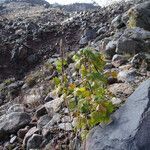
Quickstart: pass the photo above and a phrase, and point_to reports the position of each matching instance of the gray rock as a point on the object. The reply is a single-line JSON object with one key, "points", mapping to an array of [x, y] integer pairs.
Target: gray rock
{"points": [[130, 128], [56, 118], [117, 22], [65, 126], [133, 41], [110, 49], [43, 121], [54, 104], [16, 108], [116, 101], [127, 75], [34, 142], [50, 125], [11, 123], [102, 30], [87, 36], [123, 89]]}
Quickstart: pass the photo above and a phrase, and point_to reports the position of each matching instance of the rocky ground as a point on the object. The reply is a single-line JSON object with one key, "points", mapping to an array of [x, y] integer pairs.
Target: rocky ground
{"points": [[32, 116]]}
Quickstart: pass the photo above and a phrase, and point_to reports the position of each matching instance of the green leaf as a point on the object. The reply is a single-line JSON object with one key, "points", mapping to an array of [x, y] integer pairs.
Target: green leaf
{"points": [[96, 118], [76, 57], [56, 80], [59, 64], [72, 104]]}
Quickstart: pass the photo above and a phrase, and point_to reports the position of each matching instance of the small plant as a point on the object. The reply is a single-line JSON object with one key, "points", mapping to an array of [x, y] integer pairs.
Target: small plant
{"points": [[85, 90], [31, 81], [8, 81]]}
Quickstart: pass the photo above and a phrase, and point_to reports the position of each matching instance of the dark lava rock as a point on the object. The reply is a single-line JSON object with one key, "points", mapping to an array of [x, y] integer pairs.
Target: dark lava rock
{"points": [[11, 123], [130, 128], [34, 142], [41, 112], [2, 98]]}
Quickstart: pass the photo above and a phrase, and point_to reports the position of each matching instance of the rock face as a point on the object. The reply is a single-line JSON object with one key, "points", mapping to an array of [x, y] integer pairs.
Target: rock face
{"points": [[130, 127]]}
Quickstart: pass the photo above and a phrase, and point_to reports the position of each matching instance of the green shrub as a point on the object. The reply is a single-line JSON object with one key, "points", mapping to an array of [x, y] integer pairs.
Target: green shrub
{"points": [[85, 91]]}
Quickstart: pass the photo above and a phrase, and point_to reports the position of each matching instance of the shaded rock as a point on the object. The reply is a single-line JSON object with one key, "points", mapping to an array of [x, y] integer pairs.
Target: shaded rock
{"points": [[14, 88], [11, 123], [22, 132], [48, 98], [34, 142], [41, 112], [2, 98], [112, 80], [29, 134], [32, 59], [46, 131], [117, 22], [130, 126]]}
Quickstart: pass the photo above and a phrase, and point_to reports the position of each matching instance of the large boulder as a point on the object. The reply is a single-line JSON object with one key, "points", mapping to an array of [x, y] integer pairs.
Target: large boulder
{"points": [[12, 122], [133, 41], [139, 16], [129, 129]]}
